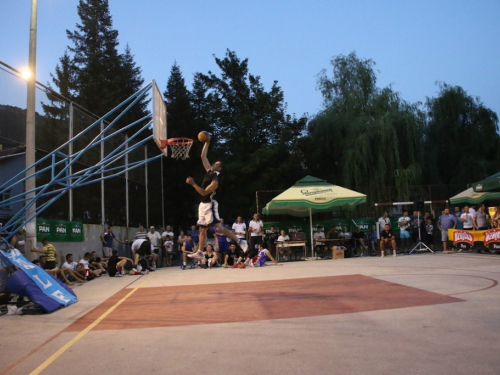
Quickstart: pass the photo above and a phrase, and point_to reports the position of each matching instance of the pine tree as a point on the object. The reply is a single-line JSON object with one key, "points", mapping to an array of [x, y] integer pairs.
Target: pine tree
{"points": [[96, 58]]}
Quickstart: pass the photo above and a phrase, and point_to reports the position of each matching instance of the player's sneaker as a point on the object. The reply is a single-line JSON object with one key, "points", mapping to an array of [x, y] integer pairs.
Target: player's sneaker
{"points": [[244, 245], [242, 265], [118, 274], [234, 265]]}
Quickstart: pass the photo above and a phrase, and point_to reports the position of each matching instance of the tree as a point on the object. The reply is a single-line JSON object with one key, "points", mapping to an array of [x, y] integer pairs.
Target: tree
{"points": [[253, 135], [462, 143], [96, 58], [366, 138]]}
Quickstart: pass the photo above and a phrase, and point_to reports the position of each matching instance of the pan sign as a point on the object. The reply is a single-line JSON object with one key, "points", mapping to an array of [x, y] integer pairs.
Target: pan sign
{"points": [[59, 230]]}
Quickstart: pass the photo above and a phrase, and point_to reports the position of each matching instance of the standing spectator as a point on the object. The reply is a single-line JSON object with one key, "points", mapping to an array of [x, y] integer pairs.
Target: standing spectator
{"points": [[446, 221], [495, 220], [374, 240], [222, 241], [164, 254], [429, 233], [480, 219], [50, 254], [404, 226], [107, 242], [384, 219], [458, 214], [240, 228], [467, 219], [155, 240], [168, 245], [255, 228], [195, 234], [141, 234]]}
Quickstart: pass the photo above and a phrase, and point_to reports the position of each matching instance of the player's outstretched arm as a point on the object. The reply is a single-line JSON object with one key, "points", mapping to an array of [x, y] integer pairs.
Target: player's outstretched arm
{"points": [[268, 253], [204, 159]]}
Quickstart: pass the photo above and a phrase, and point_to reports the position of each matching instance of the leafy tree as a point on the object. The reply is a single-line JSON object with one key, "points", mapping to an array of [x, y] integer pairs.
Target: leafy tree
{"points": [[253, 136], [462, 143], [366, 138]]}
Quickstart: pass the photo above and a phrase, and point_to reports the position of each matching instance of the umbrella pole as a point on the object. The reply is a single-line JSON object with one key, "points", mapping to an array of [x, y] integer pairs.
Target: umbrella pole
{"points": [[311, 231]]}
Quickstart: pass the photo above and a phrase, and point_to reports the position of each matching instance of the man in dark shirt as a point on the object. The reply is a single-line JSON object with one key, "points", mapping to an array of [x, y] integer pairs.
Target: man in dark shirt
{"points": [[387, 239], [208, 211], [234, 257]]}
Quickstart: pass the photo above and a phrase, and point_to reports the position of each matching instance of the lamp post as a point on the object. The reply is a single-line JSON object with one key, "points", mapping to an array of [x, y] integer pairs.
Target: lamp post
{"points": [[30, 130]]}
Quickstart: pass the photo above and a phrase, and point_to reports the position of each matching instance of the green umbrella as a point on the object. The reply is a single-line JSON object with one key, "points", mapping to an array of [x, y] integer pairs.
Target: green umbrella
{"points": [[310, 195], [470, 196], [491, 183]]}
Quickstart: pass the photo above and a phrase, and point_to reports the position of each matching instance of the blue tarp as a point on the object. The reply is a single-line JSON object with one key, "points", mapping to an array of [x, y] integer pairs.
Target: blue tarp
{"points": [[35, 283]]}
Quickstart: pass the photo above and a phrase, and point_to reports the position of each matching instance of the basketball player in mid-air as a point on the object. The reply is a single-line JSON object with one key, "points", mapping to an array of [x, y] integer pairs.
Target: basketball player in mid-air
{"points": [[208, 211]]}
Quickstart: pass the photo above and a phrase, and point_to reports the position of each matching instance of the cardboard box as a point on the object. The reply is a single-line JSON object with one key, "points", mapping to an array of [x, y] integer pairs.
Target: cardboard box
{"points": [[338, 254]]}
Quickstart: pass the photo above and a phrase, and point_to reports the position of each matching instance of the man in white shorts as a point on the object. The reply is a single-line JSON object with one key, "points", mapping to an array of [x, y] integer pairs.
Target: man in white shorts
{"points": [[208, 211], [404, 227]]}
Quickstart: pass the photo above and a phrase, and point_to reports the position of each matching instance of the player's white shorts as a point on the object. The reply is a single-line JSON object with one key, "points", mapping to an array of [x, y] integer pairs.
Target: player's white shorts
{"points": [[208, 214]]}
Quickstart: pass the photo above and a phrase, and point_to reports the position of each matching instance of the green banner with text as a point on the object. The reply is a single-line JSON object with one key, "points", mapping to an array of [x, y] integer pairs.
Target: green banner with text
{"points": [[59, 230]]}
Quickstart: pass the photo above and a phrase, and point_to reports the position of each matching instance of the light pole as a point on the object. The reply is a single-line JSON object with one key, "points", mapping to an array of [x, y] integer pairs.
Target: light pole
{"points": [[30, 131]]}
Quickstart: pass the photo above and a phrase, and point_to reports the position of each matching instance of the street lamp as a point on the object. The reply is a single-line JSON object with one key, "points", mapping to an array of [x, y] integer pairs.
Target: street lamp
{"points": [[30, 130]]}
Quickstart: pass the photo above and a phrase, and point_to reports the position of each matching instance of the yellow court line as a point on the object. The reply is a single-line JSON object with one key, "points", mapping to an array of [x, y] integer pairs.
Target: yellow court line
{"points": [[68, 345]]}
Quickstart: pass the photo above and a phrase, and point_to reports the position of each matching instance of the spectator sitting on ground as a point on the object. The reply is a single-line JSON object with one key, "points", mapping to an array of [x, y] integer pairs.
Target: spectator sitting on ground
{"points": [[285, 252], [210, 257], [234, 257], [89, 269], [118, 265], [188, 247], [55, 272], [387, 239], [97, 262], [260, 259], [69, 267]]}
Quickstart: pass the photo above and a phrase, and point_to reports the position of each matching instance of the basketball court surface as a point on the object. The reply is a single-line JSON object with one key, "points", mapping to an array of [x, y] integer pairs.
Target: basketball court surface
{"points": [[419, 314]]}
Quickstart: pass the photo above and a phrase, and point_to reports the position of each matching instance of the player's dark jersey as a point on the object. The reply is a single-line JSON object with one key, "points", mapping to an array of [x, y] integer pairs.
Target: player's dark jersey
{"points": [[207, 180]]}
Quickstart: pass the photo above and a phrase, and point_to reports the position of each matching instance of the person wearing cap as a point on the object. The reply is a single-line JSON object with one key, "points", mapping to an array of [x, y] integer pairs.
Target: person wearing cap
{"points": [[155, 239], [107, 242]]}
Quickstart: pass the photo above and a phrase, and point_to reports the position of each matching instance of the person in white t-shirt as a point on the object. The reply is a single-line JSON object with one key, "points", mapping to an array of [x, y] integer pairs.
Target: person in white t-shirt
{"points": [[404, 228], [255, 228], [168, 245], [240, 228], [155, 239], [69, 267], [285, 252], [319, 245], [384, 219], [467, 219]]}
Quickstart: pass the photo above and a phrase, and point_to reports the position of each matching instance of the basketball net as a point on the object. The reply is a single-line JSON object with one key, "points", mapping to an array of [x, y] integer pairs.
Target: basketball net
{"points": [[179, 147]]}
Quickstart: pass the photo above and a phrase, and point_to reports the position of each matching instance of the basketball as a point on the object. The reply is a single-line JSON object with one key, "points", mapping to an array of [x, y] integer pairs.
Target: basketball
{"points": [[203, 136]]}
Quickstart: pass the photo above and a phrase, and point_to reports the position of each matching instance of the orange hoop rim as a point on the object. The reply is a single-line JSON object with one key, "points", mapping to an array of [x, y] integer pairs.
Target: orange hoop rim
{"points": [[179, 141]]}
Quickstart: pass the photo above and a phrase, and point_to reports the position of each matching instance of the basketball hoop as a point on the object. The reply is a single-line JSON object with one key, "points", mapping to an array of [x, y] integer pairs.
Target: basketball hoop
{"points": [[180, 147]]}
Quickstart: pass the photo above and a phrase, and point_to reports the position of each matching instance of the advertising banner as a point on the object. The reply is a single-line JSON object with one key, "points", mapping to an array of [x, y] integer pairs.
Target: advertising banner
{"points": [[59, 230], [464, 239]]}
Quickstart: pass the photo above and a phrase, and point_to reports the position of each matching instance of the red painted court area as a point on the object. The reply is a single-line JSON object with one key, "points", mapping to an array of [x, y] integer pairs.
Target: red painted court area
{"points": [[251, 301]]}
